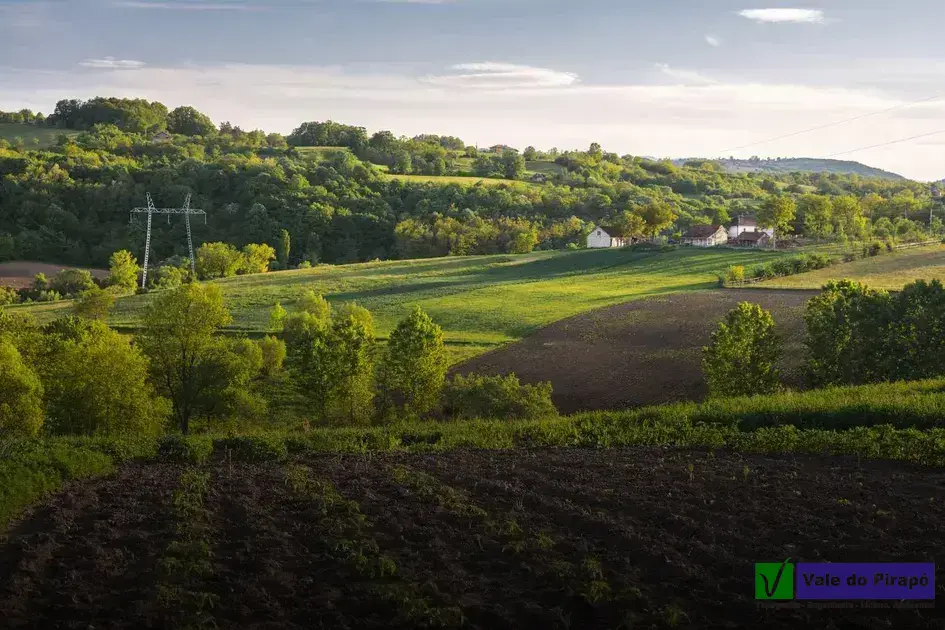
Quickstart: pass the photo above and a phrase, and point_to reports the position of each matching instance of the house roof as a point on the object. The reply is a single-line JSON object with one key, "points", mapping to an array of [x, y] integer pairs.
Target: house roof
{"points": [[746, 219], [751, 236], [615, 231], [702, 231]]}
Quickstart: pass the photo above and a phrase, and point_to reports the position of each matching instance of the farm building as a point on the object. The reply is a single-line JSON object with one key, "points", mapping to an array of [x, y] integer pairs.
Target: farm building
{"points": [[705, 236], [746, 223], [752, 239], [604, 236]]}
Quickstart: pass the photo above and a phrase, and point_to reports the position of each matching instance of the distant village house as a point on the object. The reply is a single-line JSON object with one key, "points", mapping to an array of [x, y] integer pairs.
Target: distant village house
{"points": [[746, 223], [752, 239], [161, 136], [705, 236], [605, 236]]}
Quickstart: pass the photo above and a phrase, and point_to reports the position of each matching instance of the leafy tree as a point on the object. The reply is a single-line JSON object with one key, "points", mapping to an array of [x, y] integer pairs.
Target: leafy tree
{"points": [[513, 165], [916, 339], [311, 302], [658, 215], [741, 359], [817, 212], [21, 394], [256, 258], [94, 303], [71, 282], [178, 337], [8, 296], [530, 153], [352, 340], [277, 316], [97, 384], [189, 122], [222, 382], [273, 355], [217, 260], [480, 397], [847, 324], [40, 283], [310, 359], [285, 246], [123, 270], [848, 216], [777, 212], [414, 369]]}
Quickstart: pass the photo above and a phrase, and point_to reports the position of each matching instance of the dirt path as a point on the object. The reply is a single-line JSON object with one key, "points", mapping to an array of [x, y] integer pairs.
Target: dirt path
{"points": [[640, 353]]}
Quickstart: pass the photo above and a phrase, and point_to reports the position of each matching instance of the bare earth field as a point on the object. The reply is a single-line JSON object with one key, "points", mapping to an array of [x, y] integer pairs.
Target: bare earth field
{"points": [[563, 538], [19, 274], [640, 353]]}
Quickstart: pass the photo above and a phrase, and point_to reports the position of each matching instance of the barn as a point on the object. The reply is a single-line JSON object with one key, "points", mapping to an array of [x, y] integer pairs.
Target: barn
{"points": [[705, 236]]}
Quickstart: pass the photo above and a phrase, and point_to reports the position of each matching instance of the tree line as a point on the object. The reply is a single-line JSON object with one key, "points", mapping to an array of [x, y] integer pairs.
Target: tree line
{"points": [[77, 376], [855, 335]]}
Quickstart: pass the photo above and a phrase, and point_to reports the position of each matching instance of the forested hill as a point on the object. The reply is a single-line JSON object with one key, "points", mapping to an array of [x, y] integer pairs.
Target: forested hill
{"points": [[359, 197], [813, 165]]}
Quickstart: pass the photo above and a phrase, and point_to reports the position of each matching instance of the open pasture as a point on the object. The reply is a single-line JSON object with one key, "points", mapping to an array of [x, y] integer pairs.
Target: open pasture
{"points": [[562, 538]]}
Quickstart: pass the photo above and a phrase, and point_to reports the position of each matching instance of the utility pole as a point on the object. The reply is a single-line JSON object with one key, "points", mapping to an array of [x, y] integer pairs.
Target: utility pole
{"points": [[186, 210]]}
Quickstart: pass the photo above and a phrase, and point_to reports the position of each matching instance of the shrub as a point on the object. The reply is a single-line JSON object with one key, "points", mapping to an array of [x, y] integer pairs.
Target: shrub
{"points": [[305, 265], [123, 270], [874, 248], [414, 368], [314, 303], [736, 273], [499, 397], [217, 260], [253, 448], [185, 449], [94, 303], [71, 282], [741, 358], [48, 296]]}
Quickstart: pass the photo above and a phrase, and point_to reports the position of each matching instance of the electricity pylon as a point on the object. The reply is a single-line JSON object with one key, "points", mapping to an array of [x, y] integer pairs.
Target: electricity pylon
{"points": [[151, 210]]}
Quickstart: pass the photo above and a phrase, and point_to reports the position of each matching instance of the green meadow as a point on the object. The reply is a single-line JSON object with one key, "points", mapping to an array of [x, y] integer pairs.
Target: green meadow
{"points": [[480, 301], [43, 136]]}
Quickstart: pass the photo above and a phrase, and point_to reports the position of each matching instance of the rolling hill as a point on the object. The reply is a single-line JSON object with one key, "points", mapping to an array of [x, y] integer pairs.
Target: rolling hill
{"points": [[791, 165]]}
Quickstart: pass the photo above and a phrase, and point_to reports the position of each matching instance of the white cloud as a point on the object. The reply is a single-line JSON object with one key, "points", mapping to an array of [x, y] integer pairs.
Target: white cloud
{"points": [[713, 41], [222, 5], [642, 118], [814, 16], [491, 75], [110, 63], [686, 77]]}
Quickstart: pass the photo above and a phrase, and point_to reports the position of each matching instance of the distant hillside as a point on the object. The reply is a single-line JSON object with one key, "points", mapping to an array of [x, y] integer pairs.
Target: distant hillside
{"points": [[34, 137], [790, 165]]}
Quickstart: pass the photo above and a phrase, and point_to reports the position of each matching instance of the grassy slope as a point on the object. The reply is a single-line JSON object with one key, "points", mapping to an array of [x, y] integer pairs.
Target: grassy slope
{"points": [[479, 300], [46, 136], [887, 271], [455, 179]]}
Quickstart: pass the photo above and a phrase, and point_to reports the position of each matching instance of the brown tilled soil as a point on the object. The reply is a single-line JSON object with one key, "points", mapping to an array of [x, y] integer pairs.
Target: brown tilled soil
{"points": [[676, 534], [20, 274], [640, 353]]}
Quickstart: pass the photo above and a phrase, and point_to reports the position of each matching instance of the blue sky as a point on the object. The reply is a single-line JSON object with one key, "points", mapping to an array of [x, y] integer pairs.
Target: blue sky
{"points": [[661, 77]]}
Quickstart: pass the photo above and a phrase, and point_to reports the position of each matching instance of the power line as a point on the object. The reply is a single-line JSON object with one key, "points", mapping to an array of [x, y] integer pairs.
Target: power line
{"points": [[883, 144], [839, 122]]}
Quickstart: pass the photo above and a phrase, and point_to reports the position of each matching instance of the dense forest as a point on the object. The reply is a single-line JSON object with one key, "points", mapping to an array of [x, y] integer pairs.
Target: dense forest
{"points": [[69, 203]]}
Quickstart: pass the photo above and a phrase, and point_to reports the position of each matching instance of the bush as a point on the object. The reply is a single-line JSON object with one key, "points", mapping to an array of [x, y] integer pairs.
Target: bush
{"points": [[499, 397], [21, 394], [8, 296], [735, 273], [253, 448], [94, 304], [741, 359], [48, 296], [305, 265], [273, 355], [70, 282], [185, 449]]}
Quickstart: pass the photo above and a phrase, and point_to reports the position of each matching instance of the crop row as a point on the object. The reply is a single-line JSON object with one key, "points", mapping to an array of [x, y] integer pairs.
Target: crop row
{"points": [[187, 562], [587, 580], [347, 537]]}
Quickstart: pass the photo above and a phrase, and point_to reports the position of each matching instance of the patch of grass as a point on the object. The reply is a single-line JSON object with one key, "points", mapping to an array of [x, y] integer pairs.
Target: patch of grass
{"points": [[46, 136], [545, 167], [456, 179], [888, 271]]}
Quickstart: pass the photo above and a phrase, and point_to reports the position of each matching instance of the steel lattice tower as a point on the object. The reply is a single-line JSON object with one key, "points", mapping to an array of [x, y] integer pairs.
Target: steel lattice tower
{"points": [[186, 210]]}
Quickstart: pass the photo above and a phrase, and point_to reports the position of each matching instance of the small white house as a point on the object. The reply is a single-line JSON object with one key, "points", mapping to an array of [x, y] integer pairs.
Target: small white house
{"points": [[705, 236], [602, 236], [746, 223]]}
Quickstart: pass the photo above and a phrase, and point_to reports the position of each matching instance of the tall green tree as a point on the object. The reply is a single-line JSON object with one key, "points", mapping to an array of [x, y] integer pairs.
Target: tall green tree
{"points": [[123, 270], [414, 368], [741, 359], [21, 394], [777, 212], [285, 247], [94, 303], [817, 212], [189, 122], [178, 338]]}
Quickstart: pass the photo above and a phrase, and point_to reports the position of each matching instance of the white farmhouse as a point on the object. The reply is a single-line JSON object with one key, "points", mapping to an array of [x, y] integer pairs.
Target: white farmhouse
{"points": [[705, 236], [604, 236], [746, 223]]}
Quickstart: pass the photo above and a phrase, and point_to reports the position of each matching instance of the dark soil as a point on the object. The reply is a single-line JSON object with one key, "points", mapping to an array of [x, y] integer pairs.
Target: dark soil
{"points": [[676, 532], [640, 353], [19, 274]]}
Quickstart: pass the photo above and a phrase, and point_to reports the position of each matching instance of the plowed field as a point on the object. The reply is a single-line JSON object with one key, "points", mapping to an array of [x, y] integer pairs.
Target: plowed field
{"points": [[566, 538], [645, 352]]}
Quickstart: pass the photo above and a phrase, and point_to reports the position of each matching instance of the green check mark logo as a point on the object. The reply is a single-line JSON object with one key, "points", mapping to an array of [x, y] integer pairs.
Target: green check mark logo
{"points": [[777, 581]]}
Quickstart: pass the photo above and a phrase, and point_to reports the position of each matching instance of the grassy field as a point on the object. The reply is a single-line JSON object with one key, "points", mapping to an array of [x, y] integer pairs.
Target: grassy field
{"points": [[44, 136], [546, 167], [887, 271], [455, 179], [481, 301]]}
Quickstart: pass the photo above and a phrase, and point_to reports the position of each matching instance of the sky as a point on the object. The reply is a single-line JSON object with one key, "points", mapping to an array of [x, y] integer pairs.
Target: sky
{"points": [[660, 78]]}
